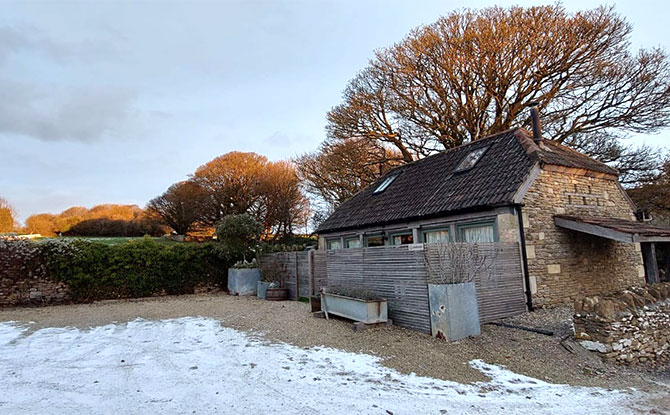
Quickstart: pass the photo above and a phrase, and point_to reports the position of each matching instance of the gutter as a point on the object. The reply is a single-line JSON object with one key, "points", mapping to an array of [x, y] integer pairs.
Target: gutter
{"points": [[524, 258]]}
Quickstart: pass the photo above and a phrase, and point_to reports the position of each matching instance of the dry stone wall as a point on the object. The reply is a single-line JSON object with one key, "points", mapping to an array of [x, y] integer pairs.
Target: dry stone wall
{"points": [[563, 264], [23, 281], [630, 327], [32, 290]]}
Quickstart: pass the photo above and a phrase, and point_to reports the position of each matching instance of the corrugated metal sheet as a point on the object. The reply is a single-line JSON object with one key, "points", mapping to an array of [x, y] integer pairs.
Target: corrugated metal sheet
{"points": [[499, 281]]}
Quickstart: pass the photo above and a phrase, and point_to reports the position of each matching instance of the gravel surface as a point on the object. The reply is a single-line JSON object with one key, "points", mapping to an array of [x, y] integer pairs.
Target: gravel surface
{"points": [[407, 351]]}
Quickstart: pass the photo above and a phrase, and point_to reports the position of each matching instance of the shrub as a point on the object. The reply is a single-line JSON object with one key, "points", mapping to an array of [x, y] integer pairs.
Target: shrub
{"points": [[96, 271], [116, 227], [238, 236]]}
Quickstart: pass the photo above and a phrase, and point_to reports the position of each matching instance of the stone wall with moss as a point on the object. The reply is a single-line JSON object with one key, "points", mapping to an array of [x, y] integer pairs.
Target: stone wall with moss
{"points": [[630, 327], [564, 264]]}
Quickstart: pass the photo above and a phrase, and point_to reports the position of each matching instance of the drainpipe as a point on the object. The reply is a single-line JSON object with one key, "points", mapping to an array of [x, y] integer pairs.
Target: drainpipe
{"points": [[524, 258]]}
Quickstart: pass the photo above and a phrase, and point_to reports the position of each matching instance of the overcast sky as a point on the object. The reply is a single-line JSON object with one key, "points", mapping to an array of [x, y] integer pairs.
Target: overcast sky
{"points": [[111, 102]]}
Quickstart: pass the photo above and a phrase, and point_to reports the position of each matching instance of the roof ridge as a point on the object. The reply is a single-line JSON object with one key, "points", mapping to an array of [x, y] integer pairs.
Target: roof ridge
{"points": [[526, 139], [449, 150]]}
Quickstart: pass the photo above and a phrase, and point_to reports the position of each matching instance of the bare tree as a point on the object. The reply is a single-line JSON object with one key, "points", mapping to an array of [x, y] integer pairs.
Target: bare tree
{"points": [[239, 183], [471, 73], [286, 207], [181, 206], [652, 195], [7, 216], [232, 181], [42, 223], [340, 169]]}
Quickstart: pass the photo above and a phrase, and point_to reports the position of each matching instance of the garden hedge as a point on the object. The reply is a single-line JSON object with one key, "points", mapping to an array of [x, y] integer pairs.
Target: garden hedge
{"points": [[96, 271]]}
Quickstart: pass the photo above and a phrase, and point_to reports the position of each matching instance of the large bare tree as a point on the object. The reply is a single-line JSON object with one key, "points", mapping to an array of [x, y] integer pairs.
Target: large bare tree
{"points": [[286, 207], [233, 183], [340, 169], [239, 183], [472, 72], [181, 206]]}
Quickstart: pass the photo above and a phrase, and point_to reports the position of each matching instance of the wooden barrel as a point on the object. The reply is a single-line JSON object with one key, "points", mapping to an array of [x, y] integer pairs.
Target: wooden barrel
{"points": [[277, 294], [315, 302]]}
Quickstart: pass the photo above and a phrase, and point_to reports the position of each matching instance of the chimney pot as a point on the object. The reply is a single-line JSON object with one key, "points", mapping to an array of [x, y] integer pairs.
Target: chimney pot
{"points": [[535, 119]]}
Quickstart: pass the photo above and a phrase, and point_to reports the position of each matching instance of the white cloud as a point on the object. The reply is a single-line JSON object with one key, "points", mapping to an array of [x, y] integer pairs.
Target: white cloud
{"points": [[79, 114]]}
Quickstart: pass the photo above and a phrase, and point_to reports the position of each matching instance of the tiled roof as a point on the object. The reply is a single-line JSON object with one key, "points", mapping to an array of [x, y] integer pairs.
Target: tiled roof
{"points": [[558, 155], [429, 187]]}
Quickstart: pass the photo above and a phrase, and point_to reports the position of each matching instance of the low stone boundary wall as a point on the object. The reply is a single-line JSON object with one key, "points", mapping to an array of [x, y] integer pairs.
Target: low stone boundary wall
{"points": [[630, 327], [32, 291]]}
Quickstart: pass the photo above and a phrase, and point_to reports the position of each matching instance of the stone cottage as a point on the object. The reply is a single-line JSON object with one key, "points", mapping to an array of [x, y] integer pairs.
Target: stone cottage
{"points": [[575, 224]]}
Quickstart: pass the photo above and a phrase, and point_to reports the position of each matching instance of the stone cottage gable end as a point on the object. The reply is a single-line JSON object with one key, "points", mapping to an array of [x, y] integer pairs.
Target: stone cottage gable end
{"points": [[564, 265]]}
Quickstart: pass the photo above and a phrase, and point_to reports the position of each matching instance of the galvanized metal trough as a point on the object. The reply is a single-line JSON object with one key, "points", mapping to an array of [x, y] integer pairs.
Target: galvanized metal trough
{"points": [[365, 311]]}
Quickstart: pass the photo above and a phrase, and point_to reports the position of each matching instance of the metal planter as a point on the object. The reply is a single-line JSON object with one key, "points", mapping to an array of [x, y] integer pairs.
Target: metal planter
{"points": [[262, 289], [454, 313], [243, 281], [365, 311]]}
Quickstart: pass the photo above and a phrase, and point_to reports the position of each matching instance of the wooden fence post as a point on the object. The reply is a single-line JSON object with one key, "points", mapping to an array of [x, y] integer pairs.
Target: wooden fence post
{"points": [[297, 276], [310, 272]]}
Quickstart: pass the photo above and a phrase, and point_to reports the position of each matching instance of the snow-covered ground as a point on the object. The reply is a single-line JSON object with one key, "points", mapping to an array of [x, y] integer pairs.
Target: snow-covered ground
{"points": [[194, 365]]}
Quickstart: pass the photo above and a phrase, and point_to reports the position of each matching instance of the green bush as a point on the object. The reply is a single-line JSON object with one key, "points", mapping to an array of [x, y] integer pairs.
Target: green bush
{"points": [[96, 271], [238, 236]]}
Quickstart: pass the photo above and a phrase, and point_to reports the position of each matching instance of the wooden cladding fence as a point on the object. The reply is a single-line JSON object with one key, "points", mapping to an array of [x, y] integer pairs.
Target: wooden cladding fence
{"points": [[393, 273], [293, 269], [401, 276]]}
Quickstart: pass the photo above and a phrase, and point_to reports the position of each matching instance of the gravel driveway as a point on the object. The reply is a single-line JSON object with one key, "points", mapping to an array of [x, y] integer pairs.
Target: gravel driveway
{"points": [[196, 365], [406, 351]]}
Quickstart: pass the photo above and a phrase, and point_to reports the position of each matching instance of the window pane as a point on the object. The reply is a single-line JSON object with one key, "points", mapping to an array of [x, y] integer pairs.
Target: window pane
{"points": [[334, 244], [385, 184], [436, 236], [471, 159], [374, 241], [477, 234], [403, 239], [353, 243]]}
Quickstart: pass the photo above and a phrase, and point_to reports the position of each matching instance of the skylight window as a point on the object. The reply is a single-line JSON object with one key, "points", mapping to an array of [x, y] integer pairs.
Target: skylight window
{"points": [[385, 183], [471, 159]]}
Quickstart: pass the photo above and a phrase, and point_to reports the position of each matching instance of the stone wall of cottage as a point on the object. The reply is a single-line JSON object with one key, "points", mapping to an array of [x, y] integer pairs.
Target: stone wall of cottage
{"points": [[563, 264], [632, 326]]}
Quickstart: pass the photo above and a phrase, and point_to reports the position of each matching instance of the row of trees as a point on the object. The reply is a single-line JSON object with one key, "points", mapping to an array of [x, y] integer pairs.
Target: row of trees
{"points": [[101, 220], [233, 184]]}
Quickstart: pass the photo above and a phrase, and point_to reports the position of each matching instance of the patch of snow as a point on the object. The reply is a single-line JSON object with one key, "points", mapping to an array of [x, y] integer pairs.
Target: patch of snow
{"points": [[194, 365]]}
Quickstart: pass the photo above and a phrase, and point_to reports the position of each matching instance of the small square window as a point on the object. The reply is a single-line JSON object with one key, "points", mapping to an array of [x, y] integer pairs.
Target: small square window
{"points": [[471, 159], [436, 236], [352, 243], [402, 239], [372, 241], [385, 184], [334, 244], [478, 233]]}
